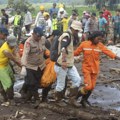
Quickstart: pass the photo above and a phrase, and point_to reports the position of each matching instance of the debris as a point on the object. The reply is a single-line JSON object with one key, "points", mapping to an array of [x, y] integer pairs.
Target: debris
{"points": [[117, 70]]}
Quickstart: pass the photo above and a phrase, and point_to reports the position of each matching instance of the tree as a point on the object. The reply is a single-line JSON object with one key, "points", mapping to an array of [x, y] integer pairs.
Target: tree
{"points": [[20, 4], [10, 3], [111, 4]]}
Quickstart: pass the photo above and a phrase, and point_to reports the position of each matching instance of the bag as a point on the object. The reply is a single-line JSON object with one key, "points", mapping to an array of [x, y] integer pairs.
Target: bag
{"points": [[49, 74], [54, 48]]}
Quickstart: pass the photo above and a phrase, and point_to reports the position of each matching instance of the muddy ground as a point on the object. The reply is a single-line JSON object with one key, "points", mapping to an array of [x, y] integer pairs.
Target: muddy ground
{"points": [[105, 101]]}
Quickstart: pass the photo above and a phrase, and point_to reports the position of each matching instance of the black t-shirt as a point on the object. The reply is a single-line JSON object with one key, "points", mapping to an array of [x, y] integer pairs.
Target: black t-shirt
{"points": [[5, 19]]}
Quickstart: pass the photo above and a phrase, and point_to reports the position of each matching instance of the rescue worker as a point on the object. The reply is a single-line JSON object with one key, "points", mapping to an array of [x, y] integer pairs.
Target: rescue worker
{"points": [[54, 22], [3, 35], [91, 50], [33, 64], [8, 52], [65, 66], [17, 25]]}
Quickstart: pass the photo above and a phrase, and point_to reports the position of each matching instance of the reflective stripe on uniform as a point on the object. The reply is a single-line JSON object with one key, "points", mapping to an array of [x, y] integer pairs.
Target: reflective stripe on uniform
{"points": [[92, 49], [87, 49]]}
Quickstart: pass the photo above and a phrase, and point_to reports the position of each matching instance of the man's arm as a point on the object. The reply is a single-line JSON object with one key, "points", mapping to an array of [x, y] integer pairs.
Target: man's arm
{"points": [[108, 52], [25, 53], [78, 50], [11, 57]]}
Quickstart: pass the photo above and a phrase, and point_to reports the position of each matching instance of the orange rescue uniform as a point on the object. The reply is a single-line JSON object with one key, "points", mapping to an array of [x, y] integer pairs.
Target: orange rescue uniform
{"points": [[90, 65]]}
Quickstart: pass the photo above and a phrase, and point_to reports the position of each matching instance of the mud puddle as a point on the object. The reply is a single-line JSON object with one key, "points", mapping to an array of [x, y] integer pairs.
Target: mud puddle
{"points": [[106, 97]]}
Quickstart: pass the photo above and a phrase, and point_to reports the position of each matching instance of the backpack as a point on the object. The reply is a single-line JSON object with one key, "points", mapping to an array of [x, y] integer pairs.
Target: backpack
{"points": [[54, 48]]}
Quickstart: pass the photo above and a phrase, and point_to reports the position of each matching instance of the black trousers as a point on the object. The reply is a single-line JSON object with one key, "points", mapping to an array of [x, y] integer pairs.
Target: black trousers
{"points": [[32, 83], [27, 27]]}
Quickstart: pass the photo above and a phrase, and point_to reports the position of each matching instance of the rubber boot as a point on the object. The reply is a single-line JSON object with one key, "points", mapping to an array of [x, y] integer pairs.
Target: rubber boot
{"points": [[3, 93], [23, 91], [85, 101], [28, 96], [10, 93], [79, 94], [58, 98], [72, 99], [45, 92]]}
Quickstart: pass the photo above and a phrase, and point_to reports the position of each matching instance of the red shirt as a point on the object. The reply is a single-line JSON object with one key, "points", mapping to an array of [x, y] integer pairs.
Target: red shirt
{"points": [[106, 15]]}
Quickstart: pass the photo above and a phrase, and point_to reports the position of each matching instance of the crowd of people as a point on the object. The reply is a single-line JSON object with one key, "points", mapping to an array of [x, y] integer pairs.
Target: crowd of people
{"points": [[57, 35]]}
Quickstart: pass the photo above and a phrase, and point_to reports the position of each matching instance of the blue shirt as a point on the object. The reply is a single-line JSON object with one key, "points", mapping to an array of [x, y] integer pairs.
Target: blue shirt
{"points": [[116, 21], [53, 10], [102, 23]]}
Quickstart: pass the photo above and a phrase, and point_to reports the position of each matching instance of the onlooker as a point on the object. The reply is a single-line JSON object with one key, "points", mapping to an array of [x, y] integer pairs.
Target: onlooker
{"points": [[7, 53], [18, 22], [3, 35], [106, 14], [40, 21], [27, 20], [92, 23], [64, 22], [73, 17], [33, 63], [53, 10], [86, 27], [48, 26], [65, 65], [102, 23], [90, 66], [5, 19], [116, 25], [61, 13], [84, 19]]}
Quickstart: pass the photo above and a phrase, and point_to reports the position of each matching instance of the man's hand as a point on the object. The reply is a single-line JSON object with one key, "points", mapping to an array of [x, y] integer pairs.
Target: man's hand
{"points": [[23, 71], [64, 65]]}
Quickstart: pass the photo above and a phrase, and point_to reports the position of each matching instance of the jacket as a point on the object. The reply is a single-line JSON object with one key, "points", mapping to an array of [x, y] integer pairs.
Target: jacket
{"points": [[91, 54]]}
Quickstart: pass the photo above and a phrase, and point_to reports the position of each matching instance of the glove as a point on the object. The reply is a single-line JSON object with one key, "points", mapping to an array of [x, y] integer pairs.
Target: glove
{"points": [[77, 59], [23, 71]]}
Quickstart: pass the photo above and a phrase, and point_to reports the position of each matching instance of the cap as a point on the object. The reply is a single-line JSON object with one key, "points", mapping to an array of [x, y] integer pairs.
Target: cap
{"points": [[42, 7], [84, 12], [76, 25], [61, 9], [4, 31], [38, 31], [45, 14], [87, 14], [11, 40]]}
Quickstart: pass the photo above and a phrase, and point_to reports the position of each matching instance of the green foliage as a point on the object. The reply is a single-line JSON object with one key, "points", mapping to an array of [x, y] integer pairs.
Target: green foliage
{"points": [[19, 4]]}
